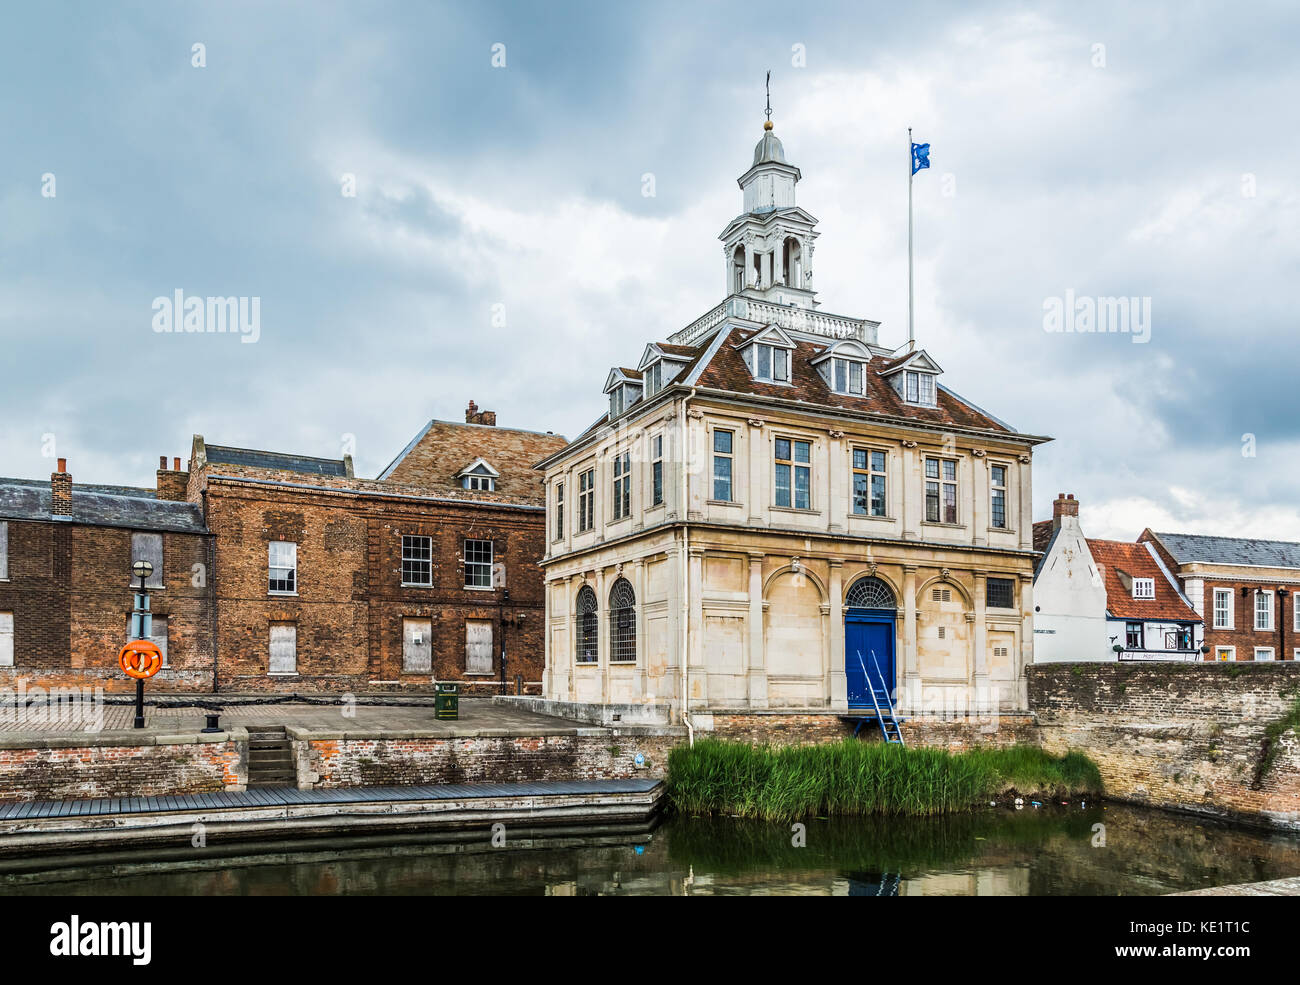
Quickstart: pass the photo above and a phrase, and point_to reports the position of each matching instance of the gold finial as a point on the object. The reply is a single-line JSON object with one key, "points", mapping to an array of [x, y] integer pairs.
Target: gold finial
{"points": [[767, 124]]}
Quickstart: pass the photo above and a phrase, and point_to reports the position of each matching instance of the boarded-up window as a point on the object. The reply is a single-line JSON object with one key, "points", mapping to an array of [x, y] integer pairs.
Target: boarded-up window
{"points": [[478, 646], [417, 646], [4, 550], [284, 648], [6, 639], [157, 634], [148, 547]]}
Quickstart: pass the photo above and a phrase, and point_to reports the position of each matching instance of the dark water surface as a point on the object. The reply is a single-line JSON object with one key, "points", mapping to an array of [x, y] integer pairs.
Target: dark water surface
{"points": [[1056, 851]]}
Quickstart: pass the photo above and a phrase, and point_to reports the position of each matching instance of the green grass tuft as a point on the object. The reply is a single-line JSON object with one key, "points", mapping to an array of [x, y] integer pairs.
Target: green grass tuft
{"points": [[788, 782]]}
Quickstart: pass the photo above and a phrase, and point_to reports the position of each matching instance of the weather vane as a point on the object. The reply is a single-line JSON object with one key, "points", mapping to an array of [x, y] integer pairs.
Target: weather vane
{"points": [[768, 85]]}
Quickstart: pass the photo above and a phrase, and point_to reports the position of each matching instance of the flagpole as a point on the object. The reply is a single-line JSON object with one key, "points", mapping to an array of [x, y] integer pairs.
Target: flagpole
{"points": [[911, 170]]}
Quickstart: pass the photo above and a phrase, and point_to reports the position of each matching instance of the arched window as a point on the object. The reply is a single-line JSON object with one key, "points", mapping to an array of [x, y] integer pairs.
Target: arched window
{"points": [[870, 593], [585, 637], [622, 623]]}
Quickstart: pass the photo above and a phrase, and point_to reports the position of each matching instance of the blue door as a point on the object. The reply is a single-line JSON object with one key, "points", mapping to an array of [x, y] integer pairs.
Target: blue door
{"points": [[868, 656]]}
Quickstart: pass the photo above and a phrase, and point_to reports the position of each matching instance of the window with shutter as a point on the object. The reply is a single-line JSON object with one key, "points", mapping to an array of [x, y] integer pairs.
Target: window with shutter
{"points": [[284, 648], [478, 646], [148, 547], [417, 646]]}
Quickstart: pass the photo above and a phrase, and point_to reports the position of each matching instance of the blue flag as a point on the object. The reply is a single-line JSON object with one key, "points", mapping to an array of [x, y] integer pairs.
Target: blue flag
{"points": [[920, 157]]}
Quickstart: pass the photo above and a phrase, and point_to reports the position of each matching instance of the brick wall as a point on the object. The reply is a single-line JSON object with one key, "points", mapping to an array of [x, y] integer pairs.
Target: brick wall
{"points": [[1243, 636], [333, 760], [89, 767], [1181, 736], [783, 728], [70, 594]]}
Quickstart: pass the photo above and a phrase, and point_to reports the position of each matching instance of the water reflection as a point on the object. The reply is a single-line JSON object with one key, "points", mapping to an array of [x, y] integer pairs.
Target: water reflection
{"points": [[993, 853]]}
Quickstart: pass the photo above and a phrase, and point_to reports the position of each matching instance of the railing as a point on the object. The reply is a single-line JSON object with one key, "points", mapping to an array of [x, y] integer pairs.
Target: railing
{"points": [[766, 313]]}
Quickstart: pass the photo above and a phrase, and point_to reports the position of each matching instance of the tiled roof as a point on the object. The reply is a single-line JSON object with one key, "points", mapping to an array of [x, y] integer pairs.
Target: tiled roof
{"points": [[439, 452], [727, 371], [103, 506], [250, 458], [1116, 559], [1189, 548], [1042, 534]]}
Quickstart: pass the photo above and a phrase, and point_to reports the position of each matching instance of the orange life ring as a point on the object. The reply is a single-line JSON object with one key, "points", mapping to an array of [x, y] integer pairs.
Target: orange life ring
{"points": [[140, 659]]}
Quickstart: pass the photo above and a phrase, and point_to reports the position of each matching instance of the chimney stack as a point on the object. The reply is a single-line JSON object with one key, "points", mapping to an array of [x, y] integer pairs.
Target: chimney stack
{"points": [[61, 490], [172, 483], [475, 416], [1064, 505]]}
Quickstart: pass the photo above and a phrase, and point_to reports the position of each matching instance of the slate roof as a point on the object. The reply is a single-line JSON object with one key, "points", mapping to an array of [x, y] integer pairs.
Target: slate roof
{"points": [[1116, 558], [1191, 548], [251, 458], [101, 506]]}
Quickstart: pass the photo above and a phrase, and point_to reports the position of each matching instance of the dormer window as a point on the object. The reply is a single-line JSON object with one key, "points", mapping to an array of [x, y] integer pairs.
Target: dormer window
{"points": [[919, 388], [623, 387], [654, 379], [1144, 588], [479, 476], [847, 376], [771, 363]]}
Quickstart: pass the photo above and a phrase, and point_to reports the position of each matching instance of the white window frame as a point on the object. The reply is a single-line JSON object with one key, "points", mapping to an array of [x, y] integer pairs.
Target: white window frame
{"points": [[1144, 588], [653, 377], [657, 470], [994, 489], [621, 470], [854, 371], [480, 481], [772, 376], [428, 541], [1255, 655], [478, 565], [1295, 612], [559, 511], [718, 457], [1231, 651], [1267, 595], [923, 394], [1230, 619], [272, 567]]}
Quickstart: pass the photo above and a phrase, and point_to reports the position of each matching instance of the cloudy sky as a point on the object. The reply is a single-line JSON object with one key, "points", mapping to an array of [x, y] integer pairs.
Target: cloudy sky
{"points": [[1104, 152]]}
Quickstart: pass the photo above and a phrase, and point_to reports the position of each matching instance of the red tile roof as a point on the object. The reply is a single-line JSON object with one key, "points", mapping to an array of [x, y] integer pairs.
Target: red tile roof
{"points": [[1042, 534], [1119, 560]]}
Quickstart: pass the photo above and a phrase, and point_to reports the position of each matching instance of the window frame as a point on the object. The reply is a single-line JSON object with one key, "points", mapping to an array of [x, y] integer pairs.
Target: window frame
{"points": [[4, 550], [926, 394], [427, 622], [719, 457], [477, 564], [621, 486], [988, 592], [618, 638], [657, 469], [586, 500], [1128, 635], [1231, 652], [7, 652], [1255, 652], [272, 567], [1267, 596], [1228, 594], [281, 625], [851, 367], [1144, 583], [998, 496], [559, 510], [771, 349], [793, 466], [940, 482], [428, 541], [869, 473], [586, 624]]}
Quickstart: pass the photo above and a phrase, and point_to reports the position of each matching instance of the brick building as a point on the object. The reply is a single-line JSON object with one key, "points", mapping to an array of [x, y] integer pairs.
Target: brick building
{"points": [[329, 582], [280, 572], [65, 580], [1243, 588]]}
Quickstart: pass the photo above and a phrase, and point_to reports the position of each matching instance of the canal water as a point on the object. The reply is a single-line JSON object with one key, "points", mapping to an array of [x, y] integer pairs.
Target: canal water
{"points": [[1077, 850]]}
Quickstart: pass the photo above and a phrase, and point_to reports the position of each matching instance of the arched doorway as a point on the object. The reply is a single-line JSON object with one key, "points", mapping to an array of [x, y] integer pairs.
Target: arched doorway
{"points": [[869, 660]]}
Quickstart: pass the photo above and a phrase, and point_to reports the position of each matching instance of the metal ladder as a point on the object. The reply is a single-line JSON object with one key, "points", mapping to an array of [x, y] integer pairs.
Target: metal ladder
{"points": [[889, 724]]}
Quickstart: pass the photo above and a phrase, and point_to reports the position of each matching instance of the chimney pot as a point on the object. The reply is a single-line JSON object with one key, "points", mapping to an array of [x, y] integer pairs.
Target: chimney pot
{"points": [[162, 461], [63, 465], [176, 463], [1064, 505]]}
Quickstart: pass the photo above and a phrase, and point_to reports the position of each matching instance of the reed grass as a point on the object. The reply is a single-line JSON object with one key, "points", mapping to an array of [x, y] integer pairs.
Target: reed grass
{"points": [[851, 777]]}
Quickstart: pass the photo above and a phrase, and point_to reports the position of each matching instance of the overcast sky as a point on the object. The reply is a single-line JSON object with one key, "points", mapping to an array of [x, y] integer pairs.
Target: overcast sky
{"points": [[1106, 151]]}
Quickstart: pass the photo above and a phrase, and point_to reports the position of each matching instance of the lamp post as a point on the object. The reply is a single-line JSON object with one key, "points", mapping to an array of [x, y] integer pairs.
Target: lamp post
{"points": [[141, 629]]}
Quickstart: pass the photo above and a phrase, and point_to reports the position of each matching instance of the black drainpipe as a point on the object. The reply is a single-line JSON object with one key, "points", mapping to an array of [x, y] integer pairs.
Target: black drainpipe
{"points": [[1282, 593], [212, 588]]}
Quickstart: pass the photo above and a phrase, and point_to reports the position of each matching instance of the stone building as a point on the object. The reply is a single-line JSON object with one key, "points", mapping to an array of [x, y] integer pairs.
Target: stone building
{"points": [[66, 591], [775, 503], [1243, 588], [1106, 600]]}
